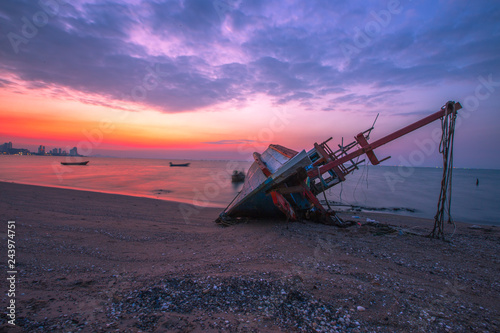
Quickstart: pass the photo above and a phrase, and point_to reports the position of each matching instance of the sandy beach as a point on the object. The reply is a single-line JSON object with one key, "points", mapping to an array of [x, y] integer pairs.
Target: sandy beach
{"points": [[96, 262]]}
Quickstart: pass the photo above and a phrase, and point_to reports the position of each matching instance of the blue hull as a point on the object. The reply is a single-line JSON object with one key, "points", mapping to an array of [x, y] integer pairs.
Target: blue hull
{"points": [[255, 199]]}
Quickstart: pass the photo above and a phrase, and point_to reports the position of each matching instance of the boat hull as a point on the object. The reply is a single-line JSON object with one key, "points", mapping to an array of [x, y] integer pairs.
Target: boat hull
{"points": [[256, 198]]}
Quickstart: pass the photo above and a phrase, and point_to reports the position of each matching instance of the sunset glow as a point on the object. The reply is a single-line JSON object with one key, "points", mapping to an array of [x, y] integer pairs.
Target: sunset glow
{"points": [[185, 79]]}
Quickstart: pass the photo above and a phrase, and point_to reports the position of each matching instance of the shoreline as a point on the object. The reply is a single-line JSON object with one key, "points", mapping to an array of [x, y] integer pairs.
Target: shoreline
{"points": [[95, 262], [172, 200], [203, 184], [344, 213]]}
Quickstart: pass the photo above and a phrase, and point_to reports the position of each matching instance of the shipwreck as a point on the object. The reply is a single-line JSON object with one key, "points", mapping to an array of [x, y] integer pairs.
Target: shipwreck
{"points": [[284, 183]]}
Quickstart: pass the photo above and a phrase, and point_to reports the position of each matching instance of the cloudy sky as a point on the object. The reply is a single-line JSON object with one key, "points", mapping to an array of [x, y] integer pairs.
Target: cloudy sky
{"points": [[222, 78]]}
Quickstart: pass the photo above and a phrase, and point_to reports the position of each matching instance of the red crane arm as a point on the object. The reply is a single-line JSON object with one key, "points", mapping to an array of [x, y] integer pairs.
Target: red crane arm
{"points": [[367, 148]]}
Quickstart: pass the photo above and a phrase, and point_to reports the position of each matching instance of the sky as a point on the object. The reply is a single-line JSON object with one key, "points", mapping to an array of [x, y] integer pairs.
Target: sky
{"points": [[214, 79]]}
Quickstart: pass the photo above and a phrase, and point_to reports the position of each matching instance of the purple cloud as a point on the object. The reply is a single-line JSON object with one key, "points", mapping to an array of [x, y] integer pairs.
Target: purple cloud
{"points": [[291, 51]]}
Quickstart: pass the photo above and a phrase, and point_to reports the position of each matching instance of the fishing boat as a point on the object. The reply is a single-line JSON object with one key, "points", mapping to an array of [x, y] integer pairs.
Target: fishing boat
{"points": [[75, 163], [179, 164], [237, 176], [284, 183]]}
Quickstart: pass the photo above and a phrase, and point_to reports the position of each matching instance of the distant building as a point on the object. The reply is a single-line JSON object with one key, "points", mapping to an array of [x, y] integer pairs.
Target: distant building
{"points": [[6, 147], [19, 151]]}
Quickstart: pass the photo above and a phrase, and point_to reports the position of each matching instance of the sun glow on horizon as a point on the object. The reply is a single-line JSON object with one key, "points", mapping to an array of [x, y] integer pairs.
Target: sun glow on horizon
{"points": [[35, 117]]}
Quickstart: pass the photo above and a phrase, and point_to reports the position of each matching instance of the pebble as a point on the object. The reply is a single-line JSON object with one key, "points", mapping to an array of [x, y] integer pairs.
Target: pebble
{"points": [[281, 302]]}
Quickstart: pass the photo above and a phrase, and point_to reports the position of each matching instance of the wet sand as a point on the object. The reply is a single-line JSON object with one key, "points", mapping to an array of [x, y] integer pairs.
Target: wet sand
{"points": [[96, 262]]}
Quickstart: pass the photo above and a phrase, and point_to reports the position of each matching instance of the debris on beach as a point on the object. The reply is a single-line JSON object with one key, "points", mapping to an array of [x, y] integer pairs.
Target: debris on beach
{"points": [[284, 183]]}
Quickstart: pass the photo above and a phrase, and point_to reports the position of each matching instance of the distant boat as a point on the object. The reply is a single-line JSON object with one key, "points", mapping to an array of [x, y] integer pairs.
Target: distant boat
{"points": [[179, 164], [237, 176], [75, 163]]}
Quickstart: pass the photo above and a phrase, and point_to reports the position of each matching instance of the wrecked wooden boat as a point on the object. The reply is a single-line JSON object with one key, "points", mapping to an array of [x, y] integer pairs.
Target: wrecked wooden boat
{"points": [[284, 183]]}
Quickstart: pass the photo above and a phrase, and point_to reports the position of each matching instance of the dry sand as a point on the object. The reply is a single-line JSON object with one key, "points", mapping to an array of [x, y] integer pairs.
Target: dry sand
{"points": [[97, 262]]}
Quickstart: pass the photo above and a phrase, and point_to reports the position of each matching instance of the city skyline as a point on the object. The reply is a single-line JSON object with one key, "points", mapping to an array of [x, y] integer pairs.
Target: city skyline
{"points": [[222, 79], [8, 148]]}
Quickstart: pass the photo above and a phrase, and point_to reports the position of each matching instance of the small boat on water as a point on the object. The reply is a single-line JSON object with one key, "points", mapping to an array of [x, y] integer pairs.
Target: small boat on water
{"points": [[179, 164], [285, 183], [75, 163], [237, 176]]}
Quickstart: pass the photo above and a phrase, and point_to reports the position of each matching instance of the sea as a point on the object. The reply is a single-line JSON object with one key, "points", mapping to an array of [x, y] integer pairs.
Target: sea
{"points": [[411, 191]]}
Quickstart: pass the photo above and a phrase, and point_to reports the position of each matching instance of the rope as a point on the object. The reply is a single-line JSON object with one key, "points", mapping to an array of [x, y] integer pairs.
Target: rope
{"points": [[341, 190], [323, 189], [338, 219], [359, 181], [446, 149]]}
